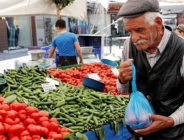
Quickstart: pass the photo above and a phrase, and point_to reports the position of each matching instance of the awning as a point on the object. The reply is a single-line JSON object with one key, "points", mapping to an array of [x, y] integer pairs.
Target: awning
{"points": [[10, 8]]}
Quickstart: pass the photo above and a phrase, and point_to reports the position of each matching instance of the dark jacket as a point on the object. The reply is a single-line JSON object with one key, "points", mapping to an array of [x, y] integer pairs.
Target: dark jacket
{"points": [[163, 83]]}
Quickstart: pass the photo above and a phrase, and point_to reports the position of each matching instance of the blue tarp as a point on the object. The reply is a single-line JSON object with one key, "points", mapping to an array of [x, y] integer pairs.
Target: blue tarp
{"points": [[110, 134]]}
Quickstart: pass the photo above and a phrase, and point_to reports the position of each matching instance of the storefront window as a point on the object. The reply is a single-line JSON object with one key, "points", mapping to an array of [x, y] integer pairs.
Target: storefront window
{"points": [[45, 29], [118, 29], [76, 26], [19, 32], [170, 20], [73, 25], [49, 24]]}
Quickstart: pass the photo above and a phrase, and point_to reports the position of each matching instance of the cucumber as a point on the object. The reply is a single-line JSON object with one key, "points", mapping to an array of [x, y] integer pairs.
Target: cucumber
{"points": [[95, 120], [70, 119], [71, 98], [68, 124]]}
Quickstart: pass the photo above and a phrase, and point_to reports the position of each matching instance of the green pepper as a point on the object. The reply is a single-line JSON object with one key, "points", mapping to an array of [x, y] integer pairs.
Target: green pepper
{"points": [[26, 90], [9, 80]]}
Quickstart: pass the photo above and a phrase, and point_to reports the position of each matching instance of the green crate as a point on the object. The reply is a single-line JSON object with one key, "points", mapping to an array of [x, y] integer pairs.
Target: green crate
{"points": [[70, 66], [79, 65], [119, 62]]}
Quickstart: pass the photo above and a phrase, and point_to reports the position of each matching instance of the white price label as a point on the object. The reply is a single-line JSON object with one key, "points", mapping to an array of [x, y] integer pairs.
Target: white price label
{"points": [[52, 81], [115, 71], [48, 86], [94, 76]]}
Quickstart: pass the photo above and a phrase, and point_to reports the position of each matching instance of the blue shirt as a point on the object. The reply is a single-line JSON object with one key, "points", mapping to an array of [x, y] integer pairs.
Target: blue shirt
{"points": [[64, 43]]}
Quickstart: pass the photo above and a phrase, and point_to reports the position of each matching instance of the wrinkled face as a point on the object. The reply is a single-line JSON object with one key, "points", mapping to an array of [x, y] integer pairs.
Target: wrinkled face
{"points": [[143, 34]]}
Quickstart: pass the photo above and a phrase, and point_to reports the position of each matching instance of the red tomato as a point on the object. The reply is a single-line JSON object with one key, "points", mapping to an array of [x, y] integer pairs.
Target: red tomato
{"points": [[15, 138], [54, 120], [65, 133], [2, 137]]}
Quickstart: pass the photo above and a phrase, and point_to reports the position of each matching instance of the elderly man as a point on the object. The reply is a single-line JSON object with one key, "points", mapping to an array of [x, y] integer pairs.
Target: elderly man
{"points": [[158, 55]]}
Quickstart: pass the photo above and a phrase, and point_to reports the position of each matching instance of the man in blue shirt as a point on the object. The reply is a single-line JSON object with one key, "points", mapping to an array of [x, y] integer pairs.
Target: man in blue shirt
{"points": [[67, 45]]}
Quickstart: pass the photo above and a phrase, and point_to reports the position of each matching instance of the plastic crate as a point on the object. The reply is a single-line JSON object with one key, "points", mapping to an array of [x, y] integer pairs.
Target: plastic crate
{"points": [[46, 48], [95, 42], [97, 51], [33, 48], [90, 41], [70, 66], [82, 41], [46, 54], [87, 50], [57, 58]]}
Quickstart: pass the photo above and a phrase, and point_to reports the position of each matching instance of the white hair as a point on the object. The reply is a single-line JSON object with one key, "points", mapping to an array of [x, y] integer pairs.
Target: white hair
{"points": [[149, 17]]}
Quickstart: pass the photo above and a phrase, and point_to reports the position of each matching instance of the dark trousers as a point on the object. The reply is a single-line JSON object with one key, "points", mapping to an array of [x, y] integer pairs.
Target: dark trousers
{"points": [[67, 60]]}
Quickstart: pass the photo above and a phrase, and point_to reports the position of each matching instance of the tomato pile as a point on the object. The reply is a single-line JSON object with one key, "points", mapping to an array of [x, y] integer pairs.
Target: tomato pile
{"points": [[18, 121], [74, 75]]}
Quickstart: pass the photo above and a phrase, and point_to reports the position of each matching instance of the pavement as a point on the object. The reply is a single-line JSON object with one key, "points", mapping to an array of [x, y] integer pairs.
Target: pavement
{"points": [[7, 60], [13, 54]]}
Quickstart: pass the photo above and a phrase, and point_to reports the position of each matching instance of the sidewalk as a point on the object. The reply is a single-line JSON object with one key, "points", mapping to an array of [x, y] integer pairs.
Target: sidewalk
{"points": [[13, 54], [10, 63]]}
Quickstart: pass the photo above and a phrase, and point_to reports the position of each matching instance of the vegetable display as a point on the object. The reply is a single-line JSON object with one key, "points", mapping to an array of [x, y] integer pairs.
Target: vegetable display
{"points": [[75, 107], [78, 108], [28, 79], [18, 121], [74, 75]]}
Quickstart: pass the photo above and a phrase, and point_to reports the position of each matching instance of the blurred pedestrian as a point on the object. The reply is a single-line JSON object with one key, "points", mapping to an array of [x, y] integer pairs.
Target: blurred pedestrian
{"points": [[180, 30]]}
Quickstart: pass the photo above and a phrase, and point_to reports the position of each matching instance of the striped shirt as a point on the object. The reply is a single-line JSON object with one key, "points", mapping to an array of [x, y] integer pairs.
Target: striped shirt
{"points": [[178, 115]]}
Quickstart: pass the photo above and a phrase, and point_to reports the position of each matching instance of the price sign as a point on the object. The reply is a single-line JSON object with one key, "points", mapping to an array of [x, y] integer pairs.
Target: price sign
{"points": [[115, 71], [94, 76], [48, 86], [52, 81]]}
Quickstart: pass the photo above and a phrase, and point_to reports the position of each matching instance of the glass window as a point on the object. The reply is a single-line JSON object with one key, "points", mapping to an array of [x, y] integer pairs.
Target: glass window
{"points": [[118, 29], [45, 29], [19, 32], [170, 20]]}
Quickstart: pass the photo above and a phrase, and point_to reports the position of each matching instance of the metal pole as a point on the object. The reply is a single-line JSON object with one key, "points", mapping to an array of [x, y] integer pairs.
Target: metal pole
{"points": [[102, 31]]}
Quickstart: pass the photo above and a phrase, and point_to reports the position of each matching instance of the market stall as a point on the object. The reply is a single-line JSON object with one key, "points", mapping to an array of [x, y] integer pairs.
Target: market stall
{"points": [[78, 111]]}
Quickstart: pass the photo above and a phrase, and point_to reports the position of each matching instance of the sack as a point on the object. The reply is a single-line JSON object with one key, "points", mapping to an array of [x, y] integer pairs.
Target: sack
{"points": [[138, 109]]}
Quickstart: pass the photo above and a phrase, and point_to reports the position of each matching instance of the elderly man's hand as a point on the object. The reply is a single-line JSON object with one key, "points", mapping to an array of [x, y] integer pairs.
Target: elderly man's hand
{"points": [[159, 123], [125, 72]]}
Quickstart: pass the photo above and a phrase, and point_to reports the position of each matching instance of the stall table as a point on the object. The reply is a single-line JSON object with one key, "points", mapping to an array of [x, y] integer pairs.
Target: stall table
{"points": [[110, 134]]}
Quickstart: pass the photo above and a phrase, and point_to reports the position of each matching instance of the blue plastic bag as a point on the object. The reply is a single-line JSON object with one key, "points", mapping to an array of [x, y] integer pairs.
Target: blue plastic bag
{"points": [[138, 109]]}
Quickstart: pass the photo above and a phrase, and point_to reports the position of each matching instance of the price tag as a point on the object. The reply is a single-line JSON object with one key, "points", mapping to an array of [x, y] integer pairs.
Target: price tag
{"points": [[115, 71], [52, 81], [94, 76], [48, 86]]}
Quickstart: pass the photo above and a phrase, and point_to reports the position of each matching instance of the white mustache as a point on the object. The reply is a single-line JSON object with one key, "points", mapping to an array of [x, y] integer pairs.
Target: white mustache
{"points": [[141, 41]]}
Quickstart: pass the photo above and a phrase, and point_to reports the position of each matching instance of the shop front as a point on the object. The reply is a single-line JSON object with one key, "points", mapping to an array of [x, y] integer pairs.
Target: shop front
{"points": [[16, 32]]}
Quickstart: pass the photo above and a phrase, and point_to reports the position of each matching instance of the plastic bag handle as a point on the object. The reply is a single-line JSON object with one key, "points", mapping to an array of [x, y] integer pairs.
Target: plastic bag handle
{"points": [[134, 86]]}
